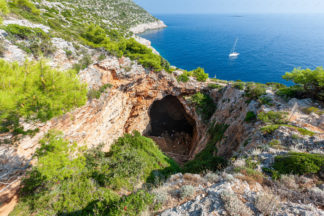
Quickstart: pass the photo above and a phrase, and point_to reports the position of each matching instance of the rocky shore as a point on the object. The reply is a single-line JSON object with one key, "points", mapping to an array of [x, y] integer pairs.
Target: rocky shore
{"points": [[147, 26]]}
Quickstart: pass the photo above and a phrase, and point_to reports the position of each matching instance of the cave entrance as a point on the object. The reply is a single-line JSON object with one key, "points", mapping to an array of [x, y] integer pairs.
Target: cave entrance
{"points": [[172, 128]]}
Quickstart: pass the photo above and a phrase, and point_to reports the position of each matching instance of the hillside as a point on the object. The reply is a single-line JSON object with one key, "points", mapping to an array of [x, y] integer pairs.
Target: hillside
{"points": [[92, 122]]}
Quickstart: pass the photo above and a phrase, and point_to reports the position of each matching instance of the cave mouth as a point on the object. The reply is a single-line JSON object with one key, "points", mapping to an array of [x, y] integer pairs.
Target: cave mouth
{"points": [[172, 128]]}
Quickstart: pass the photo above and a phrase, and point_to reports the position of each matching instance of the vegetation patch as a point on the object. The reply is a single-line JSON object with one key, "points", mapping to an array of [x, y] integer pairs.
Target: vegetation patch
{"points": [[92, 94], [255, 90], [68, 180], [299, 163], [309, 82], [205, 160], [200, 74], [205, 105], [273, 117], [35, 91], [250, 116]]}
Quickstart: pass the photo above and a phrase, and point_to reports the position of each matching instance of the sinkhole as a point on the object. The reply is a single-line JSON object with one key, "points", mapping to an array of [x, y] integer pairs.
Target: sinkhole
{"points": [[172, 128]]}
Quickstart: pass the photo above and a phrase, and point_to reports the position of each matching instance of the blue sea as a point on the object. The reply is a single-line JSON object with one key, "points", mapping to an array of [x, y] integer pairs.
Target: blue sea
{"points": [[269, 45]]}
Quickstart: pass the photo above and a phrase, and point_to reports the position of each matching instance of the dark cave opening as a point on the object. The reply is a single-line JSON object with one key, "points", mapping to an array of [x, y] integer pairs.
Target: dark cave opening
{"points": [[172, 128]]}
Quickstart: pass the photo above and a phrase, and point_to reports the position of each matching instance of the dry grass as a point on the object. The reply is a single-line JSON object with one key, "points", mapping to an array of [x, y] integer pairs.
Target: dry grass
{"points": [[234, 206], [267, 203]]}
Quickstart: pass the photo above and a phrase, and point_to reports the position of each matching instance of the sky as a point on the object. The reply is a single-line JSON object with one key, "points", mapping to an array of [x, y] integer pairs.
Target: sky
{"points": [[231, 6]]}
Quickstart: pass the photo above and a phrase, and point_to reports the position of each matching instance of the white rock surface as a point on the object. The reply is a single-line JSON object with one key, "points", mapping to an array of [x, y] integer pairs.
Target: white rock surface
{"points": [[147, 26]]}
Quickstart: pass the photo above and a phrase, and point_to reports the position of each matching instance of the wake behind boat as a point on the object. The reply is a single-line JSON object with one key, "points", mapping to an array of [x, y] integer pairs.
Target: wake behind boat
{"points": [[233, 53]]}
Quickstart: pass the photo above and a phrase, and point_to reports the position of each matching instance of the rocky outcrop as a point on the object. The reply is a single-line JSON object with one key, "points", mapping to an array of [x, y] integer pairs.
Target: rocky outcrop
{"points": [[147, 26]]}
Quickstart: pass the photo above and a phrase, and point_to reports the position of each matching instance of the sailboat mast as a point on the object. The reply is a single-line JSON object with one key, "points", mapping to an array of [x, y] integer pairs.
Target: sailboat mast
{"points": [[233, 50]]}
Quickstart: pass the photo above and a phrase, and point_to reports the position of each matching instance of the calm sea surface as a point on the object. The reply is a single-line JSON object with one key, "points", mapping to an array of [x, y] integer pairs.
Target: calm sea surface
{"points": [[269, 45]]}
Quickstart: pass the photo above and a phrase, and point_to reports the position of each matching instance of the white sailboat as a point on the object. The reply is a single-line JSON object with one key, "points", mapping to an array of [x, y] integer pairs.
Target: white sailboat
{"points": [[233, 53]]}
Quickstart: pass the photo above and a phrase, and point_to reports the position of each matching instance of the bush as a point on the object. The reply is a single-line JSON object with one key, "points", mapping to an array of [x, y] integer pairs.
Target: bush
{"points": [[275, 86], [39, 42], [205, 160], [266, 101], [205, 105], [309, 110], [186, 191], [67, 181], [233, 205], [214, 86], [184, 77], [255, 90], [200, 74], [239, 85], [26, 5], [270, 129], [30, 91], [132, 160], [312, 81], [299, 163], [267, 203], [272, 117], [92, 94], [291, 92], [250, 117], [3, 9]]}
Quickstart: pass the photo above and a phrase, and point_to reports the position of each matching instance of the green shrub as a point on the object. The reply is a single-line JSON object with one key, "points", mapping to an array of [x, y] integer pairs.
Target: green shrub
{"points": [[186, 191], [132, 160], [205, 160], [66, 181], [26, 5], [239, 85], [275, 86], [92, 94], [272, 117], [269, 129], [214, 86], [184, 77], [24, 32], [39, 42], [312, 81], [255, 90], [250, 117], [205, 105], [36, 91], [266, 101], [299, 163], [291, 92], [4, 9], [200, 74], [309, 110]]}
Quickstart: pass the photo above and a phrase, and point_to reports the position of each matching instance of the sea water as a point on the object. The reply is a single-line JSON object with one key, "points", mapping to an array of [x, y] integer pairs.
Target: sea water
{"points": [[269, 45]]}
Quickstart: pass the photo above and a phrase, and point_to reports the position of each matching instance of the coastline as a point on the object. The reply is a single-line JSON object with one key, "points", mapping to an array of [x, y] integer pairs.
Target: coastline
{"points": [[148, 26]]}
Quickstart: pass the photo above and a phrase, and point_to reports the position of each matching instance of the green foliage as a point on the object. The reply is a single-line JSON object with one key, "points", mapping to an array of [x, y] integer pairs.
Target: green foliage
{"points": [[35, 91], [299, 163], [273, 117], [250, 117], [200, 74], [67, 181], [269, 129], [255, 90], [97, 93], [38, 44], [239, 85], [205, 105], [26, 5], [275, 86], [266, 101], [206, 159], [312, 81], [131, 160], [291, 92], [184, 77], [143, 55], [4, 9], [309, 110], [214, 86]]}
